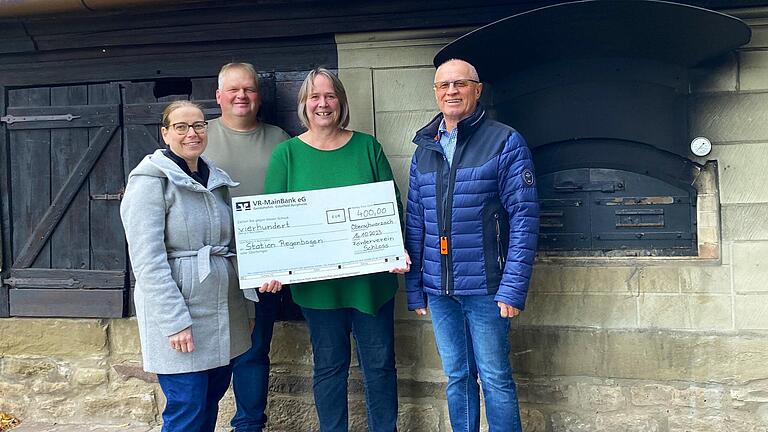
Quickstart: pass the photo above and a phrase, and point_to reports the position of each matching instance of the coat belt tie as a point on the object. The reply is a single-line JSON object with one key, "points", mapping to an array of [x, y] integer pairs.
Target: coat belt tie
{"points": [[203, 258]]}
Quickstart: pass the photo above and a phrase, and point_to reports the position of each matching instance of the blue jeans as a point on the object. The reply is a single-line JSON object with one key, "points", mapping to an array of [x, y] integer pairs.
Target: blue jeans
{"points": [[250, 370], [472, 338], [331, 348], [192, 399]]}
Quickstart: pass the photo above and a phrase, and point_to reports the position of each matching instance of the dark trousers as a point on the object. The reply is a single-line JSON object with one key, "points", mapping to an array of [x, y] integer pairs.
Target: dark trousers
{"points": [[192, 399], [250, 373], [331, 350]]}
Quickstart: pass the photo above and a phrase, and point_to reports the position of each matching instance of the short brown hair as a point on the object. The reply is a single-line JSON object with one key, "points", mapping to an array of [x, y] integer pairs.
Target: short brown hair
{"points": [[338, 88]]}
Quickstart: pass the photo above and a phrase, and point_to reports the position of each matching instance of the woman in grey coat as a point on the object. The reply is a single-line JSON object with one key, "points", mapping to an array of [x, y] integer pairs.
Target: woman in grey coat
{"points": [[192, 317]]}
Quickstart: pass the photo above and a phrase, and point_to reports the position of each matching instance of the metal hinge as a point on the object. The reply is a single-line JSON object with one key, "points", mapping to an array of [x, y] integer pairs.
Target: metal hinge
{"points": [[108, 197], [21, 119]]}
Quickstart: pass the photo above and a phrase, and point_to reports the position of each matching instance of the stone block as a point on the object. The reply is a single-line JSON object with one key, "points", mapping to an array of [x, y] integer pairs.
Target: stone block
{"points": [[89, 376], [750, 271], [400, 169], [640, 354], [407, 343], [420, 416], [705, 279], [754, 393], [742, 172], [605, 311], [358, 82], [707, 202], [751, 311], [700, 312], [729, 117], [47, 337], [290, 344], [124, 337], [753, 69], [624, 422], [745, 221], [591, 279], [557, 352], [15, 399], [396, 129], [707, 219], [699, 397], [713, 423], [289, 414], [134, 402], [428, 356], [600, 398], [405, 89], [28, 367], [393, 49], [659, 280], [533, 420], [759, 36], [719, 75], [545, 393], [652, 395]]}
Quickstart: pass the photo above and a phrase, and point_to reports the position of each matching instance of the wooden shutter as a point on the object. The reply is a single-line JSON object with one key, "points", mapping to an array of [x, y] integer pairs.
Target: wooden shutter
{"points": [[64, 160]]}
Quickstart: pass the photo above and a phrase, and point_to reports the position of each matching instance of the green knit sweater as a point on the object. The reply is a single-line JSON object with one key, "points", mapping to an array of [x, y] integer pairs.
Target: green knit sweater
{"points": [[296, 166]]}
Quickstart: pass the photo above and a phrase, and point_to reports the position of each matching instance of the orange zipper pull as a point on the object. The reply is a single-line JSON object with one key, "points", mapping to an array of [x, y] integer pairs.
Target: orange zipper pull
{"points": [[443, 245]]}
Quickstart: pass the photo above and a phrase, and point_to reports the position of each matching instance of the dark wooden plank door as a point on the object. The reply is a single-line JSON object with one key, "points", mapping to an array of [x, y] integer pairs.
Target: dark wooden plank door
{"points": [[65, 162]]}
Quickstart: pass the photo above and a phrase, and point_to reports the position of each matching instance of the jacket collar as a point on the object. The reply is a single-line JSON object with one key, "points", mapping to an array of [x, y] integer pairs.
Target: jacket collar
{"points": [[426, 136], [158, 165]]}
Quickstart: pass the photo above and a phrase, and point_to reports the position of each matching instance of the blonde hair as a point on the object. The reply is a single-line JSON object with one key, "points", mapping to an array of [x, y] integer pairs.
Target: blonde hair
{"points": [[173, 106], [338, 88]]}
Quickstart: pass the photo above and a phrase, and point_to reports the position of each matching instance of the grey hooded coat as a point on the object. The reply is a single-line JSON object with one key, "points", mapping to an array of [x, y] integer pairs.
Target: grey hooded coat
{"points": [[179, 234]]}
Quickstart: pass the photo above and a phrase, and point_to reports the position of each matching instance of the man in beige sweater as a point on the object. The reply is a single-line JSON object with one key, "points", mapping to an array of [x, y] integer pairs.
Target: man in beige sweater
{"points": [[242, 145]]}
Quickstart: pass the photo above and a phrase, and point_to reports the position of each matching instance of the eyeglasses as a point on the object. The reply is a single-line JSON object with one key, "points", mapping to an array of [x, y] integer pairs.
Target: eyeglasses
{"points": [[459, 84], [182, 128]]}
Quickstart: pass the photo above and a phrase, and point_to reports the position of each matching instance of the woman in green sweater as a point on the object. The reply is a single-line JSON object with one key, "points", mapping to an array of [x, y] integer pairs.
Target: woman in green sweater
{"points": [[329, 155]]}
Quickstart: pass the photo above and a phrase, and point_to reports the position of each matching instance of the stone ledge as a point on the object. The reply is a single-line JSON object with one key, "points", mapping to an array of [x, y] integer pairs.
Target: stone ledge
{"points": [[696, 357]]}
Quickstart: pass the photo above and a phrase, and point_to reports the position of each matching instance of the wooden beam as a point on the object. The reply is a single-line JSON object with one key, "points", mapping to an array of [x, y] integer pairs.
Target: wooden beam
{"points": [[83, 116], [59, 205], [66, 303], [66, 278], [5, 193]]}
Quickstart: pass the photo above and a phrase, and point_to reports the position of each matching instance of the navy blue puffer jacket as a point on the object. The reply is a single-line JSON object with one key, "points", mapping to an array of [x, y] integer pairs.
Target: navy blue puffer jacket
{"points": [[484, 205]]}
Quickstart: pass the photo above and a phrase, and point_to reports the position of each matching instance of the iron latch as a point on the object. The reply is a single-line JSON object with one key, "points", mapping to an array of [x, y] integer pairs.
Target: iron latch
{"points": [[108, 197], [22, 119]]}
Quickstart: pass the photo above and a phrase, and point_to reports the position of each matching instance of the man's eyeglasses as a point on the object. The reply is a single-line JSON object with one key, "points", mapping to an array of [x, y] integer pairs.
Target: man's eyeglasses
{"points": [[182, 128], [459, 84]]}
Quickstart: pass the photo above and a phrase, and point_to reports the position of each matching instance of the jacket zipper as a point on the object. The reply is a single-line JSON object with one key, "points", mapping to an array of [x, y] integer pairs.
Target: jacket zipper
{"points": [[500, 253], [446, 233]]}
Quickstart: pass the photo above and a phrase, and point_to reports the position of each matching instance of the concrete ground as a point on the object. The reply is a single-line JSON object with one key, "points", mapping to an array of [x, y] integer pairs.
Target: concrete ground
{"points": [[48, 427]]}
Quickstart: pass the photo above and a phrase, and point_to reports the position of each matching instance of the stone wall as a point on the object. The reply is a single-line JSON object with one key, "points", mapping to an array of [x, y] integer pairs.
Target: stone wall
{"points": [[656, 345]]}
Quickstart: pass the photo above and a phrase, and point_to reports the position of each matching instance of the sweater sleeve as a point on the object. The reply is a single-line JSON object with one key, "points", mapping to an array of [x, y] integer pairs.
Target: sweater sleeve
{"points": [[520, 199], [143, 213]]}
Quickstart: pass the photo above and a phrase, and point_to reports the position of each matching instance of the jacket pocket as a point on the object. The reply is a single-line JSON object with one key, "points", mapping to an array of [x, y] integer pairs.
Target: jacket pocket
{"points": [[185, 277], [495, 241]]}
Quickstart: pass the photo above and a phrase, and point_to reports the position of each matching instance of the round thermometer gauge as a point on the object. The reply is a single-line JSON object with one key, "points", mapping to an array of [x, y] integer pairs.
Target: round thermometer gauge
{"points": [[701, 146]]}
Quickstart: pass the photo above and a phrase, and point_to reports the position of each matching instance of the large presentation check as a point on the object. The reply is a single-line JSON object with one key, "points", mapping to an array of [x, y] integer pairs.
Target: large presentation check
{"points": [[320, 234]]}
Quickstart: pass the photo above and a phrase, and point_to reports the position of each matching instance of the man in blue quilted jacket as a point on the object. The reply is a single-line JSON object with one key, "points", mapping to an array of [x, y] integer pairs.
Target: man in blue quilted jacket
{"points": [[471, 229]]}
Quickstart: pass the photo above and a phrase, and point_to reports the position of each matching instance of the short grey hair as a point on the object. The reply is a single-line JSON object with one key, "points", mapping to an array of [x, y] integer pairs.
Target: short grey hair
{"points": [[247, 67], [338, 88], [472, 71]]}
